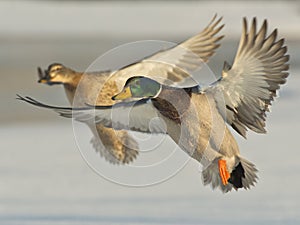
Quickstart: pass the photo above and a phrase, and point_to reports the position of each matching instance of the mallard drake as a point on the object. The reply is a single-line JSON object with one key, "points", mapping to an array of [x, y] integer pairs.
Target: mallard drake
{"points": [[119, 146], [195, 117]]}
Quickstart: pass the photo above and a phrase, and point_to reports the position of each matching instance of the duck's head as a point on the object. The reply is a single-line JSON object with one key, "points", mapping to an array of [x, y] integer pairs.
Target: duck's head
{"points": [[139, 87], [55, 74]]}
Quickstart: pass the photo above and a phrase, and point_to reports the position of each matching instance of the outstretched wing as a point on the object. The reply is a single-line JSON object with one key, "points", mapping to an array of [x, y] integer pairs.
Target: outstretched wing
{"points": [[249, 86], [117, 147], [174, 66], [136, 115]]}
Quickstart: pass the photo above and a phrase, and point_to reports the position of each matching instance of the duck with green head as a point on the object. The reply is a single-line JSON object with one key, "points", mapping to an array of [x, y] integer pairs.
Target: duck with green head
{"points": [[196, 119], [171, 102], [139, 87]]}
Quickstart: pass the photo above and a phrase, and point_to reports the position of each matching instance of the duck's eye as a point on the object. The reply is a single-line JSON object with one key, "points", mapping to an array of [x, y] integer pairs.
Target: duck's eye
{"points": [[135, 86], [137, 83], [55, 69]]}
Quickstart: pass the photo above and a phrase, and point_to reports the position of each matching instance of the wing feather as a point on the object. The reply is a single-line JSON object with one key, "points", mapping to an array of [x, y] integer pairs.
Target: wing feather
{"points": [[250, 85], [173, 66]]}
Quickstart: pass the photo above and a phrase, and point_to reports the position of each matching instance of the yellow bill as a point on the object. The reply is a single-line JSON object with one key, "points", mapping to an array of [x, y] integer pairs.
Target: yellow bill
{"points": [[124, 94], [43, 81]]}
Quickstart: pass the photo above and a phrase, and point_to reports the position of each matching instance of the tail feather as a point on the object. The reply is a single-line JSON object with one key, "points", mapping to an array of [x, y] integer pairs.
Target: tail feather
{"points": [[250, 173], [237, 175]]}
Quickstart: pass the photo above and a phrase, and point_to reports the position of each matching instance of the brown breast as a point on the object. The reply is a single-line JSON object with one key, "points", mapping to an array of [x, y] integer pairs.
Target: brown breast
{"points": [[173, 102]]}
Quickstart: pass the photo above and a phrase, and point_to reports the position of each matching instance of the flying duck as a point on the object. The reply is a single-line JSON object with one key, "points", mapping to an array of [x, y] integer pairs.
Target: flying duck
{"points": [[195, 117]]}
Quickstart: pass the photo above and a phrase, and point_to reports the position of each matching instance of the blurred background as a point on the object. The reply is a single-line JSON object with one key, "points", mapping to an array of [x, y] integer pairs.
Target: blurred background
{"points": [[44, 180]]}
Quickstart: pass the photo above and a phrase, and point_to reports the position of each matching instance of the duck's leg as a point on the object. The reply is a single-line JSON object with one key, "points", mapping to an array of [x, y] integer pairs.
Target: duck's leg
{"points": [[224, 174]]}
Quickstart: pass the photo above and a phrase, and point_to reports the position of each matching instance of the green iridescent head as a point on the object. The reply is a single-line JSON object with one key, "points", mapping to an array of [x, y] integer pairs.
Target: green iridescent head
{"points": [[139, 87]]}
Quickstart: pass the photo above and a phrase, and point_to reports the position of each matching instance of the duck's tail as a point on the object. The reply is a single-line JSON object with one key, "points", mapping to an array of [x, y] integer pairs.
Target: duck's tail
{"points": [[243, 175]]}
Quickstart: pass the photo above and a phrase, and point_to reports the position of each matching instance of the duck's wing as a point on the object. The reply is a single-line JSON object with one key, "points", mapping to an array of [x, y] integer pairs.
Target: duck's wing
{"points": [[116, 146], [138, 115], [174, 66], [250, 85]]}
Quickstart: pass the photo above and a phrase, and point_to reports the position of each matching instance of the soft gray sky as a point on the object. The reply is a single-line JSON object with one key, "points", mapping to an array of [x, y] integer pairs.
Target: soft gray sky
{"points": [[138, 18]]}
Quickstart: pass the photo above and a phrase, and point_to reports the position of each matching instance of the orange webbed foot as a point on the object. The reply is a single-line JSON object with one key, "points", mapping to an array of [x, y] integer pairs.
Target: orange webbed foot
{"points": [[224, 174]]}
